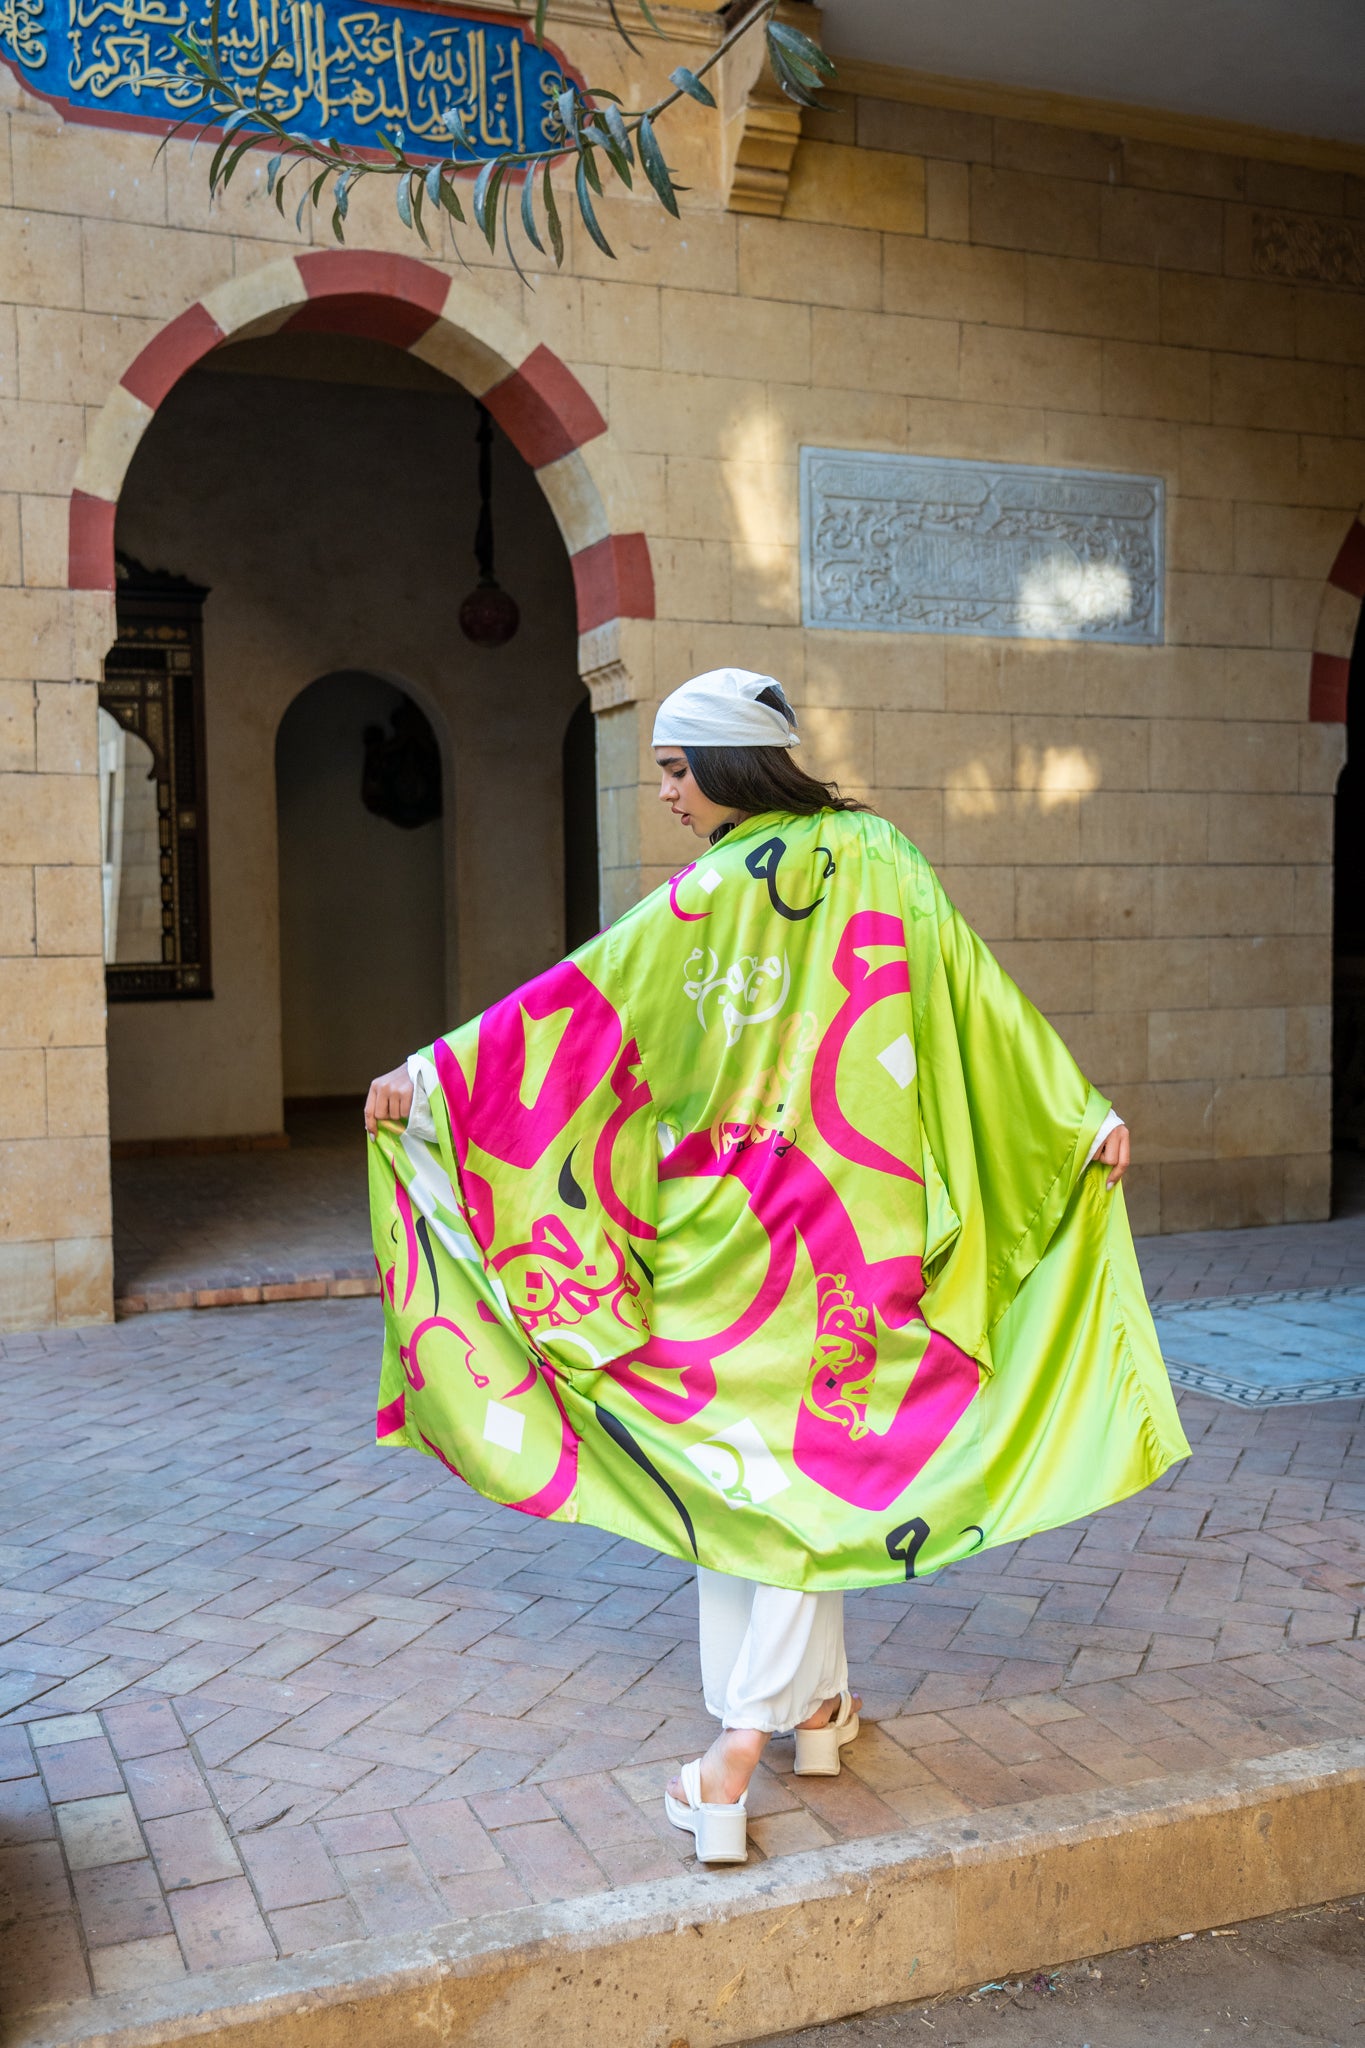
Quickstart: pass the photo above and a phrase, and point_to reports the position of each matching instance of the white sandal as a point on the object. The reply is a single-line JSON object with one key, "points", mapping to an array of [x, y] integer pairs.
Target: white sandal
{"points": [[817, 1749], [720, 1832]]}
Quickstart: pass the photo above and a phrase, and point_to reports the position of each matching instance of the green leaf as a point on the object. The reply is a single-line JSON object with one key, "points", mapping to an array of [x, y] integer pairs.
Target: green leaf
{"points": [[587, 159], [656, 170], [414, 182], [453, 122], [568, 106], [621, 28], [538, 26], [552, 222], [403, 201], [450, 199], [649, 17], [486, 199], [507, 235], [433, 184], [616, 143], [589, 217], [236, 158], [794, 84], [688, 82], [803, 53], [272, 172], [528, 209]]}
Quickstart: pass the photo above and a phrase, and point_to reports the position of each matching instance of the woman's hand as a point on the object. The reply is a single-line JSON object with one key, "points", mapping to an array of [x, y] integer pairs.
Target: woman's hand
{"points": [[389, 1100], [1114, 1153]]}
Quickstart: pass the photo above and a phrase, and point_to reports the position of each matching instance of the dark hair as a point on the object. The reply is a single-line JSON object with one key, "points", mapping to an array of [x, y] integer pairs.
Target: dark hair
{"points": [[752, 779]]}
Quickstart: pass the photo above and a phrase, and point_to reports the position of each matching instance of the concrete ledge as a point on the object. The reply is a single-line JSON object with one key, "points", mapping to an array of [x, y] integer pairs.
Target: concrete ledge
{"points": [[703, 1960]]}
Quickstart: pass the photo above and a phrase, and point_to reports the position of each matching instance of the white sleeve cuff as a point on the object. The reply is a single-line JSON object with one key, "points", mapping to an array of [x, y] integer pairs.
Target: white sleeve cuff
{"points": [[421, 1122], [1111, 1123]]}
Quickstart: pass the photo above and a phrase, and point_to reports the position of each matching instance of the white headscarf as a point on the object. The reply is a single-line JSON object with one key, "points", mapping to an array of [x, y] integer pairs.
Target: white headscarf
{"points": [[720, 709]]}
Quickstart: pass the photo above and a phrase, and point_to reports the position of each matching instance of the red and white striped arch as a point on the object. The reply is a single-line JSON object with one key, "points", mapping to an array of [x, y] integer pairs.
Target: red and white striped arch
{"points": [[1338, 618], [537, 401]]}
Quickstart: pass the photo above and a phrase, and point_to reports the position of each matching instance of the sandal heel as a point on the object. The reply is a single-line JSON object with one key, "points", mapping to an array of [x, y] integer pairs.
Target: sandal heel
{"points": [[817, 1749], [720, 1832]]}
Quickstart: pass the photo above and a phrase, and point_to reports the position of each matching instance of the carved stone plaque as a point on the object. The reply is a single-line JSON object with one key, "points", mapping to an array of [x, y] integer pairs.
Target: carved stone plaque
{"points": [[924, 544]]}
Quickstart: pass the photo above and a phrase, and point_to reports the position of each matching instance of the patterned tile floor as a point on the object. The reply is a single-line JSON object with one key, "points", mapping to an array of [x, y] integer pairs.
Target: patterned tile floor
{"points": [[266, 1688]]}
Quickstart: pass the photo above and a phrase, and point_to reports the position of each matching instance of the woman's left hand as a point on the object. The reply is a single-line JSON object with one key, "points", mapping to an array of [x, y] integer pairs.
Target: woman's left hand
{"points": [[1115, 1153]]}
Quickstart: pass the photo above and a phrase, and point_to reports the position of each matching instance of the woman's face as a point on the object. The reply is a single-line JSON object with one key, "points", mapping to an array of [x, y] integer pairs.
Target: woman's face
{"points": [[678, 789]]}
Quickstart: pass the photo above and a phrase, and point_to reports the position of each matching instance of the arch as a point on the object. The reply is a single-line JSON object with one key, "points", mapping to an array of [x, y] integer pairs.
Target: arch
{"points": [[541, 406], [1334, 635]]}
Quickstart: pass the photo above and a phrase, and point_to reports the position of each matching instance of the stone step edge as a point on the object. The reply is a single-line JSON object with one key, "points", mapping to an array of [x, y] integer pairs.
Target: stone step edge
{"points": [[726, 1956], [154, 1301]]}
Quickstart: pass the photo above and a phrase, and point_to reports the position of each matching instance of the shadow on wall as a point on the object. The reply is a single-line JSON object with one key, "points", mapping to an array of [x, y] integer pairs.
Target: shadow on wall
{"points": [[362, 920]]}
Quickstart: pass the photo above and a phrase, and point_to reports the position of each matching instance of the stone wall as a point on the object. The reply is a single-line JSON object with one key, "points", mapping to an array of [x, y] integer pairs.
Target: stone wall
{"points": [[1145, 833]]}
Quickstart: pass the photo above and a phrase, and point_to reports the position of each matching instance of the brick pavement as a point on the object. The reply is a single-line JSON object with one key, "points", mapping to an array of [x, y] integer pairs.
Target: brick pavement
{"points": [[265, 1687]]}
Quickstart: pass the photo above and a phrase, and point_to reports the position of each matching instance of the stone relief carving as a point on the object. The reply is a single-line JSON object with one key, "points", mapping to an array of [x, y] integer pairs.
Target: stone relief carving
{"points": [[922, 544], [1308, 251]]}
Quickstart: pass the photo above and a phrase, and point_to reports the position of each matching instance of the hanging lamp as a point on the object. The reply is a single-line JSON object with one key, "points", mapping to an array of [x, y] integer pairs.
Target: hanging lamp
{"points": [[489, 615]]}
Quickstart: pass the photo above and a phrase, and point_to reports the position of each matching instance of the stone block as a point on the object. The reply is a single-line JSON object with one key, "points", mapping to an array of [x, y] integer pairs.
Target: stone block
{"points": [[1217, 902], [620, 325], [1308, 1039], [1070, 297], [955, 281], [918, 813], [757, 501], [924, 131], [856, 188], [1170, 1119], [1056, 755], [11, 545], [1331, 472], [97, 172], [1234, 462], [70, 910], [1287, 540], [884, 671], [1056, 975], [40, 258], [1222, 1194], [1308, 1188], [1260, 683], [1120, 826], [1322, 755], [1083, 902], [848, 419], [1022, 210], [83, 1272], [1165, 230], [1108, 1045], [1168, 168], [1143, 974], [1200, 753], [1217, 611], [23, 1112], [1200, 534], [1222, 312], [1154, 382], [942, 750], [999, 827], [692, 579], [1259, 391], [807, 262], [841, 746], [1270, 828], [1142, 1198], [40, 445], [50, 819], [1018, 366], [1329, 326], [885, 352], [1313, 898], [985, 897], [68, 730], [16, 911], [1112, 441], [28, 1297], [835, 121], [18, 728], [1190, 1045], [1338, 618], [1055, 151], [43, 525], [1272, 1118], [765, 582], [990, 433], [1295, 185], [51, 1002], [947, 200], [130, 267], [650, 250], [53, 1188], [1279, 970], [678, 414], [1294, 606], [77, 1088]]}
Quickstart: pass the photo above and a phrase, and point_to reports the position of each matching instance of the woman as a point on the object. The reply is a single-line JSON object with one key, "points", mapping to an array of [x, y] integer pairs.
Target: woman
{"points": [[740, 1273]]}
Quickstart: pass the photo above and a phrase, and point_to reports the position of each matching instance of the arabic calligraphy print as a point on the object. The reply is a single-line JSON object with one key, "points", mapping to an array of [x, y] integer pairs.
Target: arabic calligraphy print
{"points": [[353, 73], [919, 544]]}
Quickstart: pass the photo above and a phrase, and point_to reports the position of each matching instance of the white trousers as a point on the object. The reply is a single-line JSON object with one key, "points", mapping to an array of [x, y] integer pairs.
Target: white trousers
{"points": [[769, 1655]]}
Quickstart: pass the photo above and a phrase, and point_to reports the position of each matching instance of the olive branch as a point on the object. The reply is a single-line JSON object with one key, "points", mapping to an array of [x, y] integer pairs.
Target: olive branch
{"points": [[596, 133]]}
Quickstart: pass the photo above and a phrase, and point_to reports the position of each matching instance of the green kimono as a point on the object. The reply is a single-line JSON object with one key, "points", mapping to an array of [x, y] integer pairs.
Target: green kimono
{"points": [[760, 1231]]}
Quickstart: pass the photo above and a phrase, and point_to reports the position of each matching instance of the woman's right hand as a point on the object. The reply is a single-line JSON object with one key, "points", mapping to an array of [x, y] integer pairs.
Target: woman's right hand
{"points": [[389, 1100]]}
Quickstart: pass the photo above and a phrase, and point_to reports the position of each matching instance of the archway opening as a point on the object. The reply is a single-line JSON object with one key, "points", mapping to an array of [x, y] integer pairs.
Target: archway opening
{"points": [[318, 494], [1348, 952]]}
